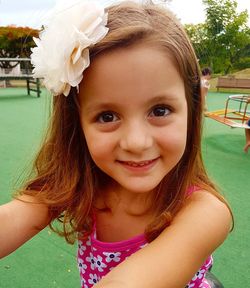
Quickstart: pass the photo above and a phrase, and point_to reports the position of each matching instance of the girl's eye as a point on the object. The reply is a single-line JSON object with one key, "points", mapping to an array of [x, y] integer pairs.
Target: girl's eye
{"points": [[106, 117], [159, 111]]}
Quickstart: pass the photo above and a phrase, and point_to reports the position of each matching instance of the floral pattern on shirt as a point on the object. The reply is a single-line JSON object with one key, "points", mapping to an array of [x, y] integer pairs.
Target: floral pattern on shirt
{"points": [[96, 259]]}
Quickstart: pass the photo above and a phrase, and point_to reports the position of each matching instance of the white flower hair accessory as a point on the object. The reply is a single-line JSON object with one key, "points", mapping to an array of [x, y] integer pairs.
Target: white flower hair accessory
{"points": [[62, 52]]}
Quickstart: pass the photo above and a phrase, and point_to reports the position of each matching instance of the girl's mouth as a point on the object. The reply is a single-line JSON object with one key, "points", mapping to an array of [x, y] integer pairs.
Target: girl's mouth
{"points": [[139, 165]]}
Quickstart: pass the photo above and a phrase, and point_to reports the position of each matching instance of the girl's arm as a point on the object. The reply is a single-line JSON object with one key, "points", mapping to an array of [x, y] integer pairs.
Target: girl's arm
{"points": [[20, 220], [173, 258]]}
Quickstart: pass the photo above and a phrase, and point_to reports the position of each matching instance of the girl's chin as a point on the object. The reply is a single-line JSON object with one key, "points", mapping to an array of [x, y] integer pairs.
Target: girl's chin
{"points": [[138, 189]]}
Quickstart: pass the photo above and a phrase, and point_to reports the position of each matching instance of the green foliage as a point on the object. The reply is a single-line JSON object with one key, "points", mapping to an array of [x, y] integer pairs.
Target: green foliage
{"points": [[16, 42], [242, 64], [223, 41], [199, 38]]}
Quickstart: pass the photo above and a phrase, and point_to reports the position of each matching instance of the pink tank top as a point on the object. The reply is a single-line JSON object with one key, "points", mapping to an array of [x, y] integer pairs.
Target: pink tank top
{"points": [[96, 259]]}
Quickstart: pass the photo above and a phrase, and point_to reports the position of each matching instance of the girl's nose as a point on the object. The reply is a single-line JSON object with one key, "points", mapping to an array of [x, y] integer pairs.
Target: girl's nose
{"points": [[136, 138]]}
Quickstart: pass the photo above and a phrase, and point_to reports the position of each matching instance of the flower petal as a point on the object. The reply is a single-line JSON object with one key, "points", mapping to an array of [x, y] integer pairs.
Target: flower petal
{"points": [[62, 53]]}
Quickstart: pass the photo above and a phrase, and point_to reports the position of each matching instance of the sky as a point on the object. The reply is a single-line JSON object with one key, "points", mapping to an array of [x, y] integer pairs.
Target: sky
{"points": [[32, 12]]}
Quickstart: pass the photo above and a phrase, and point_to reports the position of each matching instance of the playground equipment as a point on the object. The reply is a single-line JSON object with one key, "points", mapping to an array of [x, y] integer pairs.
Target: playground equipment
{"points": [[234, 117]]}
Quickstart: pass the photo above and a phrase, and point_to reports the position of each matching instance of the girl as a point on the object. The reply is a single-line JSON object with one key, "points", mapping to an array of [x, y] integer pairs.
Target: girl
{"points": [[121, 166]]}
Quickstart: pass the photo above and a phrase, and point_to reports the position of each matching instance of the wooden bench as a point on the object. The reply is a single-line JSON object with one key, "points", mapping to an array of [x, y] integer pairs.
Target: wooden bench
{"points": [[33, 84], [232, 82]]}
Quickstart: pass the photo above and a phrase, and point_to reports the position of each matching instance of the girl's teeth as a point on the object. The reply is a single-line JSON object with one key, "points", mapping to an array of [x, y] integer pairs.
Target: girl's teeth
{"points": [[133, 164]]}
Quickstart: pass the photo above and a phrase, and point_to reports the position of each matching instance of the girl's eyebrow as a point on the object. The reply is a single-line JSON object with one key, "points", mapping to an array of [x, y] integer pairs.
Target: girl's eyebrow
{"points": [[162, 98], [99, 105]]}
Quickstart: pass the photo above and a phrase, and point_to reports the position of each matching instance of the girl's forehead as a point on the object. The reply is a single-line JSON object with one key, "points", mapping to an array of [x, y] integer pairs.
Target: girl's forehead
{"points": [[132, 72], [121, 63]]}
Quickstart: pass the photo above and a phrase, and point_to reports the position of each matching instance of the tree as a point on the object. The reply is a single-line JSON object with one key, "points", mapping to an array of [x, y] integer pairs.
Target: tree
{"points": [[223, 41], [16, 42], [199, 38], [227, 34]]}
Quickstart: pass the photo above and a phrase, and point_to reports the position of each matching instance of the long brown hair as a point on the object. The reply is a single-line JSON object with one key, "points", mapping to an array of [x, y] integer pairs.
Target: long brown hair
{"points": [[66, 179]]}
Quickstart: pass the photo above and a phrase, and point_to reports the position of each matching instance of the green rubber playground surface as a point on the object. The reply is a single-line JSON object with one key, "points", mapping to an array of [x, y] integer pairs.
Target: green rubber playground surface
{"points": [[47, 261]]}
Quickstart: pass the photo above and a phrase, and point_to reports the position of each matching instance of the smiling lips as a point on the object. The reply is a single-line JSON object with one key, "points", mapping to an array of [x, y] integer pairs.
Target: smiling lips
{"points": [[139, 165]]}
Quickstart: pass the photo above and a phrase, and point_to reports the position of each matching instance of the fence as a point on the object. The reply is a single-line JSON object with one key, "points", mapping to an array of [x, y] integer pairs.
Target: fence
{"points": [[19, 69]]}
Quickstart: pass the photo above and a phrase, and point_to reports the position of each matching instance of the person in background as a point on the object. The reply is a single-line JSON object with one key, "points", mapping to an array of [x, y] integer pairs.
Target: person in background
{"points": [[205, 84], [247, 134]]}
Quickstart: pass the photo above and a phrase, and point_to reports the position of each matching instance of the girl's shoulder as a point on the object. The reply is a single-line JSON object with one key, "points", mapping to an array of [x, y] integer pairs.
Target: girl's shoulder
{"points": [[204, 209], [198, 197]]}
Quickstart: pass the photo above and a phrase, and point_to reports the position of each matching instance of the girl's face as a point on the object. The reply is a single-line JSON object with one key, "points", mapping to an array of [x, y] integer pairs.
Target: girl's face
{"points": [[134, 115]]}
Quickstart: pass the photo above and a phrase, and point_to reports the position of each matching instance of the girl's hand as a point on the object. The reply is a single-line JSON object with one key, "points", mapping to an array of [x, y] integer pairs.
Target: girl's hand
{"points": [[20, 220]]}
